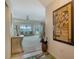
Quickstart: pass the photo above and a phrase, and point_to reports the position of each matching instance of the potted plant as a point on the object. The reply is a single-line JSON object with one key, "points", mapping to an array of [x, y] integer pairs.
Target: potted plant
{"points": [[44, 44]]}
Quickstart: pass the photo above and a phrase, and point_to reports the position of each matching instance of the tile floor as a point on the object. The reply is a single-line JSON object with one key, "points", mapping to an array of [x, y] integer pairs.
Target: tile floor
{"points": [[31, 43]]}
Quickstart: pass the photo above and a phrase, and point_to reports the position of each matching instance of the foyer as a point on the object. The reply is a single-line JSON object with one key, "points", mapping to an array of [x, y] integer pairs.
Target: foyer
{"points": [[30, 21]]}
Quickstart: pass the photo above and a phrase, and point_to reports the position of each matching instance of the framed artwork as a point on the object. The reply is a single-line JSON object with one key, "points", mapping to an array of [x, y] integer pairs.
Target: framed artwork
{"points": [[63, 24]]}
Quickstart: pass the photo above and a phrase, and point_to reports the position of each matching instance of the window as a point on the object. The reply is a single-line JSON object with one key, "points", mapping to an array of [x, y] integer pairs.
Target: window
{"points": [[25, 29]]}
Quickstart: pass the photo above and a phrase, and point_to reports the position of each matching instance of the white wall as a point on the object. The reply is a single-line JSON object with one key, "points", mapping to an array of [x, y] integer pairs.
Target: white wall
{"points": [[58, 49]]}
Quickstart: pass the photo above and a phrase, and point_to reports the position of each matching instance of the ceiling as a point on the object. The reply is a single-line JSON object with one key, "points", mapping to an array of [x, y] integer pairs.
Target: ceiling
{"points": [[34, 9], [46, 2]]}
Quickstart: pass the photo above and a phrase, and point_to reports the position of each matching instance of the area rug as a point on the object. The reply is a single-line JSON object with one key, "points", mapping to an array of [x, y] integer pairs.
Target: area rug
{"points": [[40, 56], [35, 57]]}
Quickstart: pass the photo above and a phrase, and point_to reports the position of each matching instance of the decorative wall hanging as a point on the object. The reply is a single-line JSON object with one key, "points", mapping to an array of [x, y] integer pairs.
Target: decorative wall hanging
{"points": [[63, 24]]}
